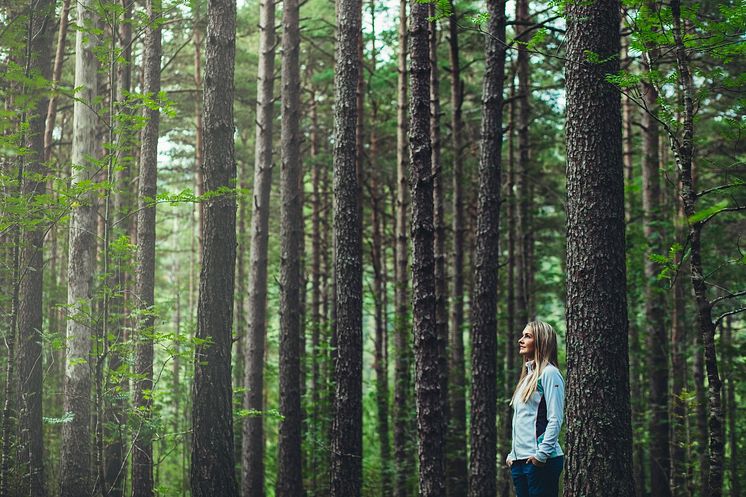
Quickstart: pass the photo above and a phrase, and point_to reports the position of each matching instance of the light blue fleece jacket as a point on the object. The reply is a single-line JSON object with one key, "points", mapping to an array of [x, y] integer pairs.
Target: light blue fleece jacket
{"points": [[537, 423]]}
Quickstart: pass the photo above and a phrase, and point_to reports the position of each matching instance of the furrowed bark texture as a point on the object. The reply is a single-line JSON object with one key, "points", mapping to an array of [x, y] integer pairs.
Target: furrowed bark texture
{"points": [[76, 444], [30, 308], [142, 450], [289, 477], [482, 467], [404, 461], [599, 437], [456, 465], [430, 427], [212, 466], [252, 482], [346, 443]]}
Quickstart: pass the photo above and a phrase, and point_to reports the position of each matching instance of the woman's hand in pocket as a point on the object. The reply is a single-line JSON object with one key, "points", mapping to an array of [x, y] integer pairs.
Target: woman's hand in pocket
{"points": [[535, 462]]}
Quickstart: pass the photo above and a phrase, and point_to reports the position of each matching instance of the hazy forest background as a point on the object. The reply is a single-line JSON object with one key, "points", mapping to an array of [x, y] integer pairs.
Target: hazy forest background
{"points": [[231, 266]]}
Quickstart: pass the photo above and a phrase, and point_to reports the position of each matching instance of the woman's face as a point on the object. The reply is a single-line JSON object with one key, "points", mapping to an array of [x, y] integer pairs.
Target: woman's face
{"points": [[526, 346]]}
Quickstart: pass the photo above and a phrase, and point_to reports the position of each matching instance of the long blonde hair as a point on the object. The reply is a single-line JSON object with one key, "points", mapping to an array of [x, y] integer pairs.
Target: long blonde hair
{"points": [[545, 353]]}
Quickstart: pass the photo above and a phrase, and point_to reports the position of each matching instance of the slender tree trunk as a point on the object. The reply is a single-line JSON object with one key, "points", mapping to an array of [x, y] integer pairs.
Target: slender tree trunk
{"points": [[199, 148], [142, 451], [378, 259], [32, 265], [730, 392], [289, 477], [482, 467], [56, 76], [346, 444], [683, 149], [76, 443], [657, 337], [212, 467], [316, 410], [402, 374], [252, 482], [456, 466], [523, 200], [597, 359]]}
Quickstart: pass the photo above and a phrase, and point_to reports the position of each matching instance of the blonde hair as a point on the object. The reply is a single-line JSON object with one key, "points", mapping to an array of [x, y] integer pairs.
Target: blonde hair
{"points": [[545, 353]]}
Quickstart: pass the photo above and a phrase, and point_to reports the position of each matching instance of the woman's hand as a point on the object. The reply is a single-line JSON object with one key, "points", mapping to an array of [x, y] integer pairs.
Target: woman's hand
{"points": [[535, 462], [509, 461]]}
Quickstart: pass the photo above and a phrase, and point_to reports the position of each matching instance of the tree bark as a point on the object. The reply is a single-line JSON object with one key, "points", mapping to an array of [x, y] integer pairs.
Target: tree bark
{"points": [[76, 443], [430, 427], [597, 359], [30, 307], [346, 443], [212, 467], [289, 477], [252, 482], [142, 450], [482, 467], [456, 467], [404, 463]]}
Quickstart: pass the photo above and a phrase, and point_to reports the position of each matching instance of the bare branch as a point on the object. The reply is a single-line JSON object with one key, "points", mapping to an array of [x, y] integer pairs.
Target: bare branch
{"points": [[726, 314]]}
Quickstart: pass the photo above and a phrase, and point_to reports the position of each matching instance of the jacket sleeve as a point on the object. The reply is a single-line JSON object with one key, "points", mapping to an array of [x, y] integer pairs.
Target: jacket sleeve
{"points": [[554, 396]]}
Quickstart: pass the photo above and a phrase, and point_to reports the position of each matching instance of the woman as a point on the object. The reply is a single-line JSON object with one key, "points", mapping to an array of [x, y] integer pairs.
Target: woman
{"points": [[538, 402]]}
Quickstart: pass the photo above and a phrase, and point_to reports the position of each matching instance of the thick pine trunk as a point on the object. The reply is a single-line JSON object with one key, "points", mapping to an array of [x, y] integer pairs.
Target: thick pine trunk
{"points": [[402, 418], [142, 451], [456, 466], [346, 443], [76, 442], [597, 357], [212, 466], [482, 463], [289, 477], [430, 427], [32, 263], [252, 482]]}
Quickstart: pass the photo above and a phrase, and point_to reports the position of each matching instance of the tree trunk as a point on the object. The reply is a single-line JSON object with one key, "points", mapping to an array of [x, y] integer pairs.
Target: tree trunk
{"points": [[430, 427], [212, 468], [76, 443], [482, 467], [32, 265], [657, 337], [252, 482], [597, 359], [346, 443], [404, 463], [56, 76], [683, 149], [456, 467], [142, 450], [523, 200], [735, 479], [289, 477]]}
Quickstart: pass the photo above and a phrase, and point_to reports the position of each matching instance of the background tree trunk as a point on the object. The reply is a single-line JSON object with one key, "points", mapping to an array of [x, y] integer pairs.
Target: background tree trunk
{"points": [[252, 482], [142, 450], [289, 477], [456, 467], [596, 299]]}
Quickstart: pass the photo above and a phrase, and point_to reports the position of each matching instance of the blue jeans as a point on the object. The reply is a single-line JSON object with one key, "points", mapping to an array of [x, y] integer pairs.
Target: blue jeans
{"points": [[537, 481]]}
